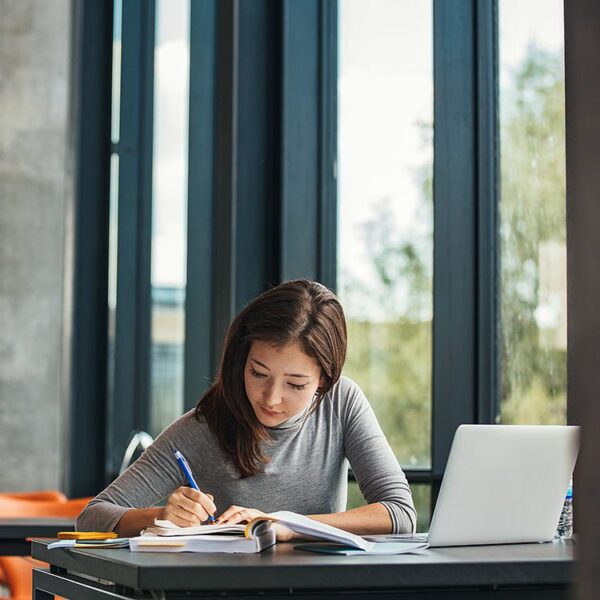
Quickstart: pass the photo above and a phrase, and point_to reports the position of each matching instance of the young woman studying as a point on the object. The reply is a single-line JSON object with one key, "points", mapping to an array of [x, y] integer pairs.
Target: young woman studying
{"points": [[275, 431]]}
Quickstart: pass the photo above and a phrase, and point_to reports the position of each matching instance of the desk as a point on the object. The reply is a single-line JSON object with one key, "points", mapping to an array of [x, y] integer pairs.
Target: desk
{"points": [[15, 533], [512, 572]]}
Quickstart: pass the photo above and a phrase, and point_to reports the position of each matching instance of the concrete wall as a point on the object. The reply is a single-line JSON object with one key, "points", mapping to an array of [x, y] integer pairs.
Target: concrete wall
{"points": [[35, 201]]}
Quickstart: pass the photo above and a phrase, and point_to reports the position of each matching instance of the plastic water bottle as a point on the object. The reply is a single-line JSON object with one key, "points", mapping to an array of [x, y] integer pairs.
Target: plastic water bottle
{"points": [[565, 524]]}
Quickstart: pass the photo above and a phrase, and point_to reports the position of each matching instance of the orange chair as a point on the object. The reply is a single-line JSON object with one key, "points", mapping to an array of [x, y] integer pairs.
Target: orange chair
{"points": [[18, 507], [17, 569], [48, 495], [51, 495], [19, 575]]}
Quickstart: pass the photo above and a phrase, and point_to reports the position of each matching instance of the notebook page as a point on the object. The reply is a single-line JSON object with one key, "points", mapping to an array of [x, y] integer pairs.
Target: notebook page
{"points": [[167, 528], [312, 528]]}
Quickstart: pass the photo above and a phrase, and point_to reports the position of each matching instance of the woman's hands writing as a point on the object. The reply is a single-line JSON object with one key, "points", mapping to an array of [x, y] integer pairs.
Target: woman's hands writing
{"points": [[187, 507]]}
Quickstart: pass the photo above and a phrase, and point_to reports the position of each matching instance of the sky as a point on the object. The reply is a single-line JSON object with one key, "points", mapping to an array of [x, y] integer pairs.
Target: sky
{"points": [[385, 88], [171, 83]]}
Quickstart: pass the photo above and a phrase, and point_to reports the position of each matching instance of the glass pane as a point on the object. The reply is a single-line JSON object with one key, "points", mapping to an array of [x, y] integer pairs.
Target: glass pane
{"points": [[116, 73], [532, 212], [385, 209], [421, 497], [113, 228], [114, 196], [169, 222]]}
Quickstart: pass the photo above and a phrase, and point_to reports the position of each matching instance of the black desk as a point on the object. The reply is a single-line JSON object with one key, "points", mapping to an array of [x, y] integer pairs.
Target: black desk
{"points": [[16, 533], [513, 572]]}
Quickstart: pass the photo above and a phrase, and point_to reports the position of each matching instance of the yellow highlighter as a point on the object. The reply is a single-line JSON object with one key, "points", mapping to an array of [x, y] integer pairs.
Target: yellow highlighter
{"points": [[86, 535]]}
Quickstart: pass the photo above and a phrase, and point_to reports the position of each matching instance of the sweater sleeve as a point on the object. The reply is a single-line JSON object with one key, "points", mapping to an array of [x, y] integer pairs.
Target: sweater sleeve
{"points": [[377, 471], [151, 478]]}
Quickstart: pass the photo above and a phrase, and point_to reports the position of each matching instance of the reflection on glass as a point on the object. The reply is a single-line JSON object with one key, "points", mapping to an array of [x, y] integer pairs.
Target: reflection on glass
{"points": [[113, 227], [114, 197], [385, 210], [116, 72], [421, 493], [169, 223], [532, 212]]}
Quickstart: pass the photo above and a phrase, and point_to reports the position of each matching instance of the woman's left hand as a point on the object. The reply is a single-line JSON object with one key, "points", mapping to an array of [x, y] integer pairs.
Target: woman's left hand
{"points": [[239, 514]]}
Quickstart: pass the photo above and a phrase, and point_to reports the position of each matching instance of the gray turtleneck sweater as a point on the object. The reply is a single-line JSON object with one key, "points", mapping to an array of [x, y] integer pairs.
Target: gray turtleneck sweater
{"points": [[307, 472]]}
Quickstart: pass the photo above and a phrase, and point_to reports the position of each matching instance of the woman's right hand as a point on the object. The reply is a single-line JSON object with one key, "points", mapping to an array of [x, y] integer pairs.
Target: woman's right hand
{"points": [[187, 507]]}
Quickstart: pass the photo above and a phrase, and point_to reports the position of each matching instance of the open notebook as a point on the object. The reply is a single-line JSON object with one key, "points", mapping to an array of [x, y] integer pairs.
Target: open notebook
{"points": [[257, 535]]}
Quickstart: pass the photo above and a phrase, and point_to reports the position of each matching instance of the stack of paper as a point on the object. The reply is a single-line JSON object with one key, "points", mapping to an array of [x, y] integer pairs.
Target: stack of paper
{"points": [[82, 543]]}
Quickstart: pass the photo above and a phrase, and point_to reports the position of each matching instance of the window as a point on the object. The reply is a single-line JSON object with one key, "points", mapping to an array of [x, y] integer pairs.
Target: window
{"points": [[461, 321], [385, 248], [532, 213], [147, 220], [169, 211]]}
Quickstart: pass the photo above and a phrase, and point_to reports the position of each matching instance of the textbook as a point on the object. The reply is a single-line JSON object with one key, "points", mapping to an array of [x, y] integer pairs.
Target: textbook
{"points": [[257, 535], [242, 540]]}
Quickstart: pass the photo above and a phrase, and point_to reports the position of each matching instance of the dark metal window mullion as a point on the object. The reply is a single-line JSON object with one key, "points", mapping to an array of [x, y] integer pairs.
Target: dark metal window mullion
{"points": [[258, 148], [488, 368], [300, 139], [199, 361], [455, 227], [92, 72], [225, 148], [328, 76]]}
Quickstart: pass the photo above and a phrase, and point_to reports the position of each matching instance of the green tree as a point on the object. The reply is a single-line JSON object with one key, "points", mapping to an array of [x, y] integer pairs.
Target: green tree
{"points": [[532, 214]]}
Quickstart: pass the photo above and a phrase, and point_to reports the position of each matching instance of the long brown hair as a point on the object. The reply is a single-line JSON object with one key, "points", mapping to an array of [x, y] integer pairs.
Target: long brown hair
{"points": [[299, 311]]}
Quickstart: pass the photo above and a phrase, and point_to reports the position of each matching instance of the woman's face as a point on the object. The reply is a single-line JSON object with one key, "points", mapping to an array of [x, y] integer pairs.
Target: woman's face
{"points": [[280, 381]]}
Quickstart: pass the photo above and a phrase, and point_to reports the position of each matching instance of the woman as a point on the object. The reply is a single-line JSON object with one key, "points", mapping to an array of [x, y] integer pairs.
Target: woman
{"points": [[274, 432]]}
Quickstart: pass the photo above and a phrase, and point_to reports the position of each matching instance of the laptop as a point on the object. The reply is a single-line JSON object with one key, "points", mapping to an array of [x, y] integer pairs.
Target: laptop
{"points": [[503, 484]]}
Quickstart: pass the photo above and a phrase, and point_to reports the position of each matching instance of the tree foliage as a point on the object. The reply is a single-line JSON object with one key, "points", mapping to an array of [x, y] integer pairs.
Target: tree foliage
{"points": [[532, 216]]}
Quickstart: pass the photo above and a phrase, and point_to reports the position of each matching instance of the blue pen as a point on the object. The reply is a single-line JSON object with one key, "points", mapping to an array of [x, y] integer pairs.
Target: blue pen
{"points": [[188, 473]]}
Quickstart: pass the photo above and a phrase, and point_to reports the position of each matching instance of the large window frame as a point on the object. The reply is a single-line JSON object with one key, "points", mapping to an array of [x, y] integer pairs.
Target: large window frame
{"points": [[465, 360], [262, 159]]}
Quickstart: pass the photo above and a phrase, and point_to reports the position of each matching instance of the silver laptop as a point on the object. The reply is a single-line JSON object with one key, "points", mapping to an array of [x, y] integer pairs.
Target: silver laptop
{"points": [[504, 484]]}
